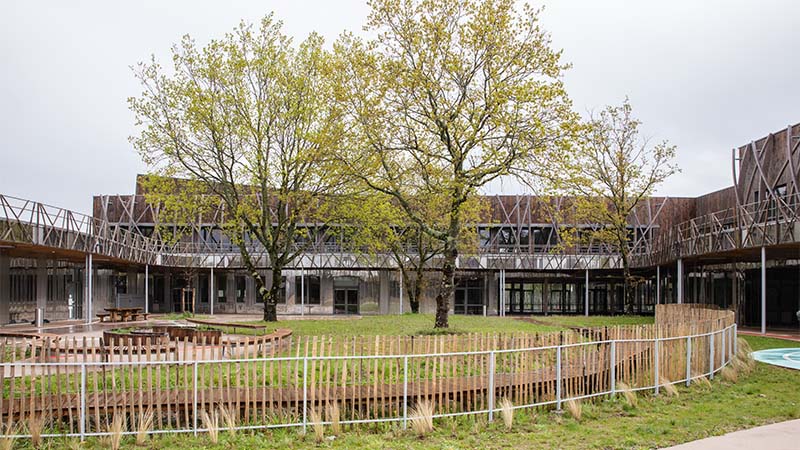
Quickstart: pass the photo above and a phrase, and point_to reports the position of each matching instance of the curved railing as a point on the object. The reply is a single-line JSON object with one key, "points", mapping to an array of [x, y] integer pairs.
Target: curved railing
{"points": [[752, 225], [81, 387], [27, 222]]}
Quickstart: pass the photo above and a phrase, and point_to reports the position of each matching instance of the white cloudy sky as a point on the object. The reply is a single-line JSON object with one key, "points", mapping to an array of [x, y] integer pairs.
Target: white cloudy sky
{"points": [[707, 75]]}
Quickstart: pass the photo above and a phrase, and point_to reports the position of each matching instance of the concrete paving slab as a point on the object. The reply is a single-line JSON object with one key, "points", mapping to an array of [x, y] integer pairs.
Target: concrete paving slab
{"points": [[777, 436]]}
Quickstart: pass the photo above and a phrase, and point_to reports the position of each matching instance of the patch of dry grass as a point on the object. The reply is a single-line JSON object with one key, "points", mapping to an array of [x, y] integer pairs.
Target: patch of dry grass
{"points": [[315, 417], [144, 423], [575, 409], [507, 412], [228, 419], [629, 394], [211, 423], [669, 387], [115, 430], [421, 418], [729, 374], [334, 417]]}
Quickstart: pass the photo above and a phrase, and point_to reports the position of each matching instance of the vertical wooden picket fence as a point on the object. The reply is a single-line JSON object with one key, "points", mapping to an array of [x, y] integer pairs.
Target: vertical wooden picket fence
{"points": [[78, 385]]}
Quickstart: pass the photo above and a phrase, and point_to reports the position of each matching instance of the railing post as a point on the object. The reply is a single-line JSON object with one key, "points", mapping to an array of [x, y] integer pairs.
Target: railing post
{"points": [[613, 374], [194, 397], [711, 355], [405, 392], [735, 340], [305, 393], [655, 368], [491, 385], [83, 403], [688, 361], [724, 352], [558, 378]]}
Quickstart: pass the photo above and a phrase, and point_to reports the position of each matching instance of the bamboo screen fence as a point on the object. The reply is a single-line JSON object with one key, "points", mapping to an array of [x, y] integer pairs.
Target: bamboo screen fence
{"points": [[78, 385]]}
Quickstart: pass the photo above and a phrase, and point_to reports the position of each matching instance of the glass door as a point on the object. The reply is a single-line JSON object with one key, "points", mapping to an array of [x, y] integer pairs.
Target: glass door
{"points": [[345, 301]]}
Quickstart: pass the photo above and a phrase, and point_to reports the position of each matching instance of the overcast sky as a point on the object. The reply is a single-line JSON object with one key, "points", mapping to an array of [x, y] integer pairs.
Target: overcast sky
{"points": [[706, 75]]}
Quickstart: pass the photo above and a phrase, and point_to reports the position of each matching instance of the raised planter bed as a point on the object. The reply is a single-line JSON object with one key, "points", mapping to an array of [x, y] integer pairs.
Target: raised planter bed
{"points": [[160, 335]]}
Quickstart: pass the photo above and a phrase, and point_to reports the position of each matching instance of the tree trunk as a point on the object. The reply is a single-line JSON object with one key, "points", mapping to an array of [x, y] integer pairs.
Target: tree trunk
{"points": [[446, 290], [414, 299], [270, 297], [628, 291], [415, 289]]}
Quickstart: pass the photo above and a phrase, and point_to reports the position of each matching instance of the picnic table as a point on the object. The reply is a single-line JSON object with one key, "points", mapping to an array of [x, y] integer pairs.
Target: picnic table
{"points": [[124, 314]]}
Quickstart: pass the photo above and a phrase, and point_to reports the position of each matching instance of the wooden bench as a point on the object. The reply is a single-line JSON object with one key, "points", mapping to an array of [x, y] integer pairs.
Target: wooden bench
{"points": [[102, 316], [135, 316], [230, 325]]}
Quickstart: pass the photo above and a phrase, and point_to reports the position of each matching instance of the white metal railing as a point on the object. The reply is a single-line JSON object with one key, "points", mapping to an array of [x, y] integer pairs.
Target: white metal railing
{"points": [[727, 337]]}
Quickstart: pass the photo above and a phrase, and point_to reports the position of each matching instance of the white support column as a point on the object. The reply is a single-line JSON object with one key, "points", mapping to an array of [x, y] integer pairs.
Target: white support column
{"points": [[680, 281], [658, 285], [586, 294], [87, 298], [302, 291], [213, 294], [146, 288], [5, 288], [763, 290], [502, 292], [401, 292]]}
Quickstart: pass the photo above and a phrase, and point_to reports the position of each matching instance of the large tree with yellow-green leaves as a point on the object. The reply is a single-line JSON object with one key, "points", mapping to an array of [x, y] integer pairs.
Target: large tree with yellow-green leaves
{"points": [[449, 96], [612, 170], [250, 117]]}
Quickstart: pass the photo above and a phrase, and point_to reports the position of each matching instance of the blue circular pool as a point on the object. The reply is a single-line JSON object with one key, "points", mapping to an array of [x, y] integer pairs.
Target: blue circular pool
{"points": [[784, 357]]}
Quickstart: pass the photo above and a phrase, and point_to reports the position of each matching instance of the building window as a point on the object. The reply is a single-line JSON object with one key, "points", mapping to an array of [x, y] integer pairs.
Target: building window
{"points": [[469, 296], [774, 204], [121, 283], [311, 292], [484, 235], [241, 288], [281, 291], [203, 281], [220, 288]]}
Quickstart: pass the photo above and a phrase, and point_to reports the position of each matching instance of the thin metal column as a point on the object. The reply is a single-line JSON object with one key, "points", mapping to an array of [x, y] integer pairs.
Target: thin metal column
{"points": [[656, 369], [613, 373], [405, 392], [305, 393], [491, 385], [194, 397], [763, 290], [502, 292], [146, 288], [302, 291], [82, 425], [680, 281], [558, 378], [711, 355], [89, 280], [213, 294], [586, 293], [401, 292], [41, 285], [688, 361]]}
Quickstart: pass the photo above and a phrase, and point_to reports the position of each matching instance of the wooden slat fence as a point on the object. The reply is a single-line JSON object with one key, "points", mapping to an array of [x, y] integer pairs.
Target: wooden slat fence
{"points": [[269, 381]]}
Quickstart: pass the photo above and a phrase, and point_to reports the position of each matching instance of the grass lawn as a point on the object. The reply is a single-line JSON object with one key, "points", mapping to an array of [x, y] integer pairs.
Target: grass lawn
{"points": [[591, 321], [414, 324], [769, 394]]}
